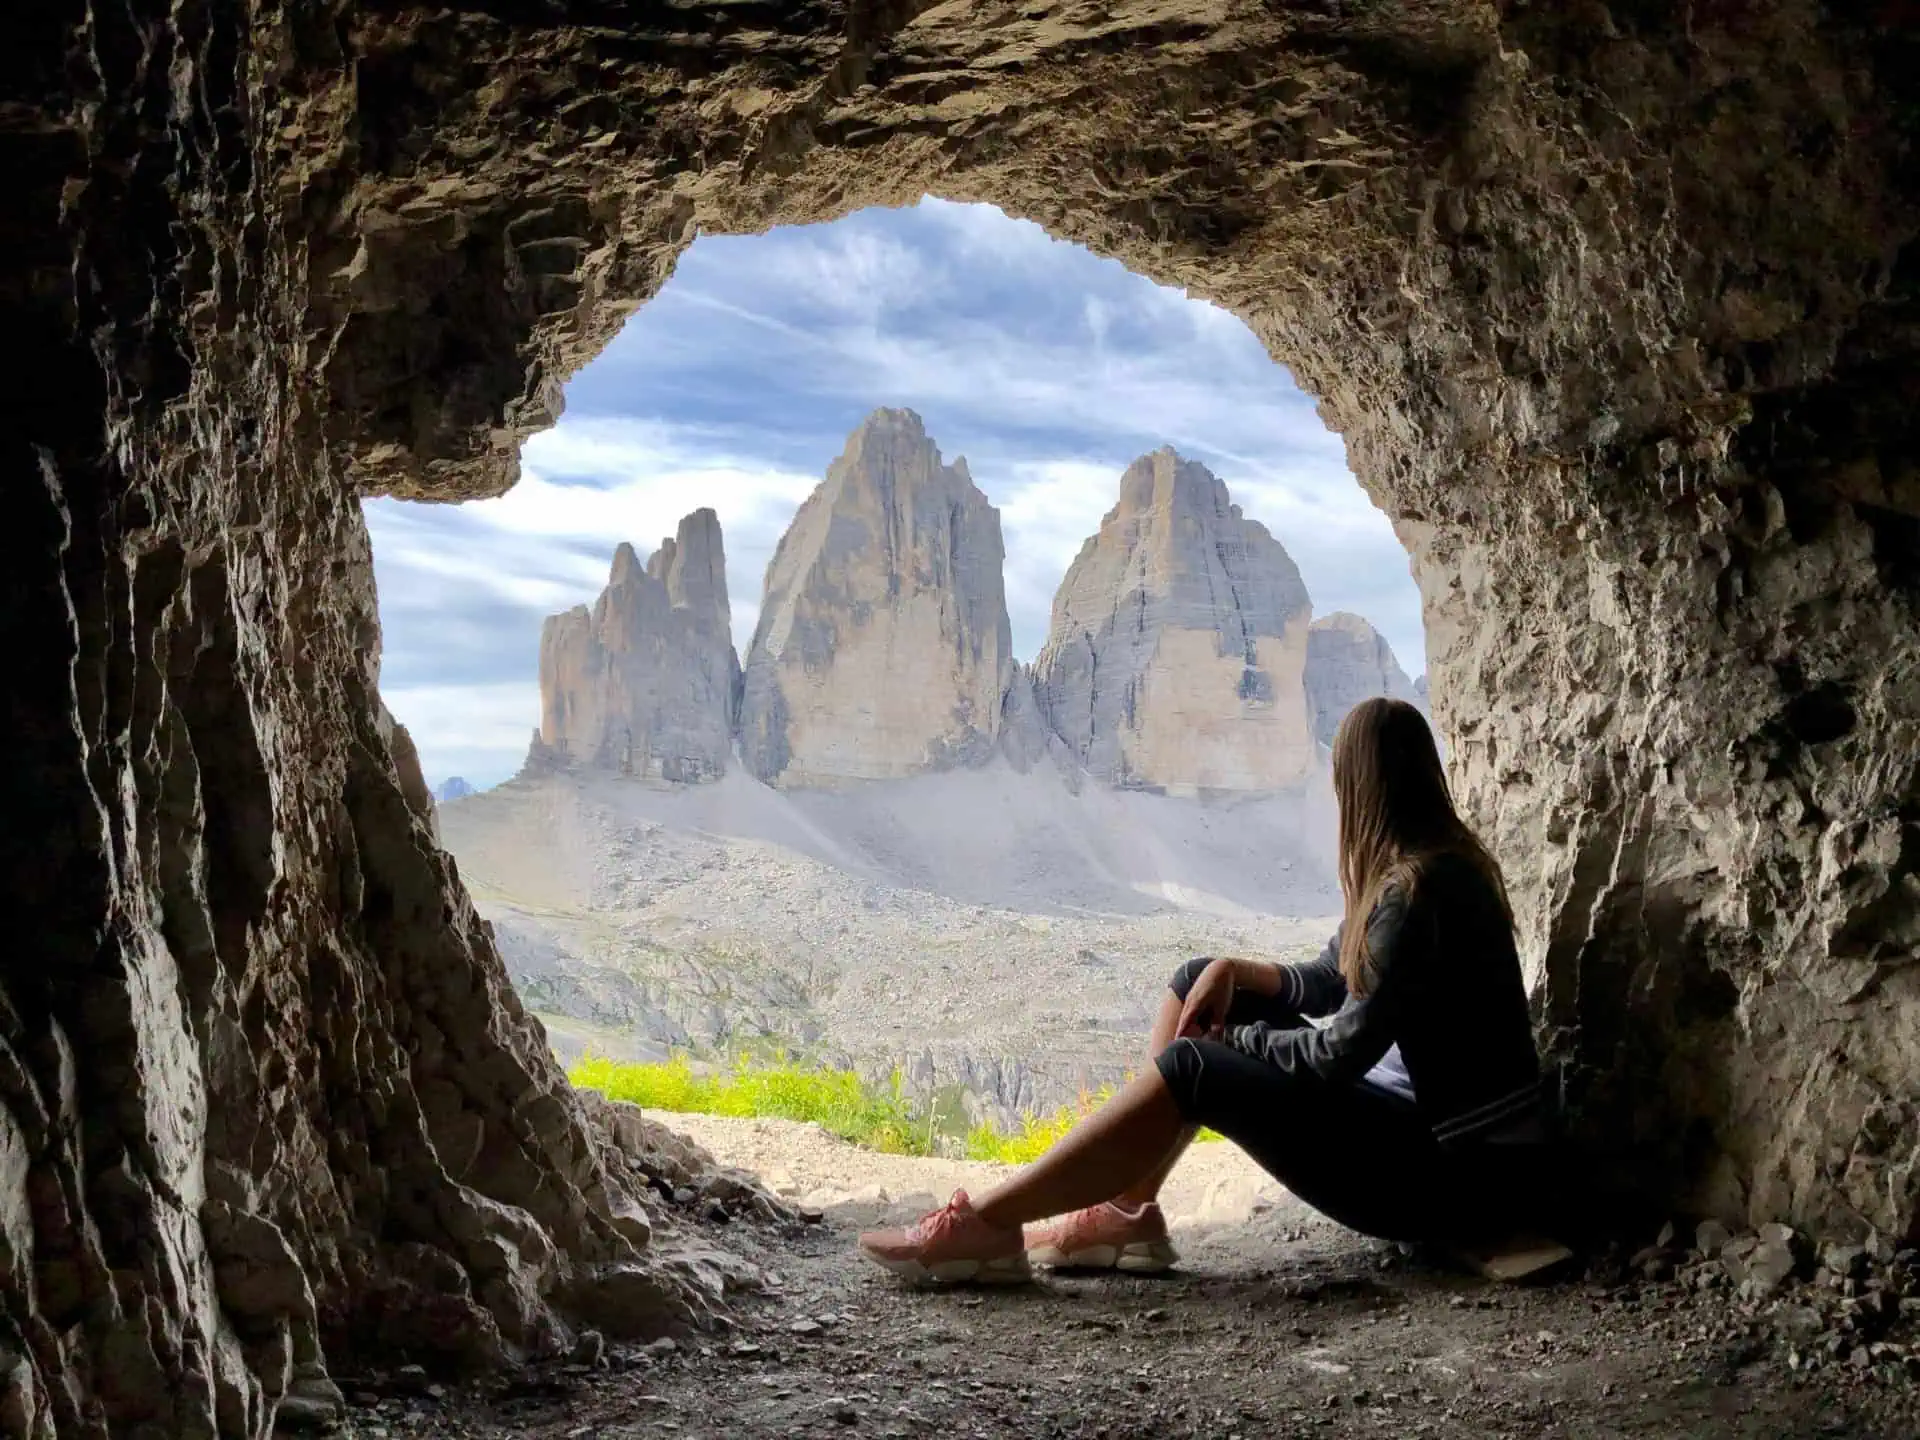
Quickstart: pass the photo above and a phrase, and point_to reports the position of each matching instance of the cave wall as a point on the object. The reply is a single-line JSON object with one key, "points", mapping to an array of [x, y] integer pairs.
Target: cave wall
{"points": [[1614, 305], [267, 1099]]}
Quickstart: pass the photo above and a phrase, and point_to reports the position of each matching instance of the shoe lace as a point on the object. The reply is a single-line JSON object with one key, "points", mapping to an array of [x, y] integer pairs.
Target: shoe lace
{"points": [[937, 1222]]}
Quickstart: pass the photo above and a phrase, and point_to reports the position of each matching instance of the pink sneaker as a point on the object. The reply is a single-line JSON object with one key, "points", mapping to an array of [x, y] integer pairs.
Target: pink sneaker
{"points": [[1105, 1237], [951, 1244]]}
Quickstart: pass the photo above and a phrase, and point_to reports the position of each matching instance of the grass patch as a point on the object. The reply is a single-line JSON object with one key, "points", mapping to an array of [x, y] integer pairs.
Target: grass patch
{"points": [[839, 1101], [876, 1117]]}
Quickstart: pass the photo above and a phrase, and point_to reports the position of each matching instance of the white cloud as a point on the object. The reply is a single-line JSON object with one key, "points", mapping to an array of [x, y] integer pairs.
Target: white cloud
{"points": [[479, 732], [828, 268]]}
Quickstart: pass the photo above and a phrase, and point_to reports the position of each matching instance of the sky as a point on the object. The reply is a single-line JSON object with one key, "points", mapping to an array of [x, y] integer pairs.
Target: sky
{"points": [[1046, 366]]}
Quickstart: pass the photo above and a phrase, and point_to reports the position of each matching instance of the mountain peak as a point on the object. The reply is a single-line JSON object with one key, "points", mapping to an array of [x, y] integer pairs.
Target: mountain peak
{"points": [[1349, 661], [644, 682], [626, 564], [1178, 641], [883, 646], [887, 419]]}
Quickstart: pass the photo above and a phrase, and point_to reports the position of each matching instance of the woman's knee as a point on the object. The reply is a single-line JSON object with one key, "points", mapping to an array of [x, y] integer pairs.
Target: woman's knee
{"points": [[1186, 974], [1182, 1066]]}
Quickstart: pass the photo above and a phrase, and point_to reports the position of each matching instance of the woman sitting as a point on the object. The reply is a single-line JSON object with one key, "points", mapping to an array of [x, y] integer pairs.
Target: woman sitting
{"points": [[1413, 1114]]}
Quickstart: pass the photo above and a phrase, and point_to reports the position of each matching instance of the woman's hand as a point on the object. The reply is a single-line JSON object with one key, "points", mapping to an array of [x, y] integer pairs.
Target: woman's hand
{"points": [[1205, 1013]]}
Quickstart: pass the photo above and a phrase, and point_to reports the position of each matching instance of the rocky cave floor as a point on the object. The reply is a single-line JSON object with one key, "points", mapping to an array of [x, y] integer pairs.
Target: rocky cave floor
{"points": [[1283, 1325]]}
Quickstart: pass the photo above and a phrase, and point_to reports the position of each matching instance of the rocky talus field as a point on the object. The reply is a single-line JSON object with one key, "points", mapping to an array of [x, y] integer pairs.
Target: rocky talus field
{"points": [[994, 935]]}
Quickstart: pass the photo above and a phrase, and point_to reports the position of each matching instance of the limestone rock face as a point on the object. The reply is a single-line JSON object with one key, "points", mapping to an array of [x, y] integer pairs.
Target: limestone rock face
{"points": [[1179, 639], [883, 647], [1349, 661], [644, 682], [1024, 736]]}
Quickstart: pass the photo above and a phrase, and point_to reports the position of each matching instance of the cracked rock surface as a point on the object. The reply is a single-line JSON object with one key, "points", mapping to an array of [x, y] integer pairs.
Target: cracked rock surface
{"points": [[1176, 654], [882, 647]]}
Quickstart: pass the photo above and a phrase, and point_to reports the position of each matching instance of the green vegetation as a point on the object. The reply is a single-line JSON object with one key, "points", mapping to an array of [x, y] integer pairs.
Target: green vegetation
{"points": [[839, 1101]]}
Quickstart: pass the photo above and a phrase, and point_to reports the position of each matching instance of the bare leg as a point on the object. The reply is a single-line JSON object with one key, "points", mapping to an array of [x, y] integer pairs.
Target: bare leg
{"points": [[1147, 1190], [1109, 1153]]}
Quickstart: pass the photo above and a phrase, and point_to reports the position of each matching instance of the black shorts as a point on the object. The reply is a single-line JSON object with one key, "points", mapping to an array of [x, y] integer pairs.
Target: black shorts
{"points": [[1359, 1155]]}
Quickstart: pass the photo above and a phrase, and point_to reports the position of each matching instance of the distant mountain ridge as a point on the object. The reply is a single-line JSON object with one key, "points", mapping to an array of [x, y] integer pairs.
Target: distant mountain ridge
{"points": [[1182, 658], [1349, 661]]}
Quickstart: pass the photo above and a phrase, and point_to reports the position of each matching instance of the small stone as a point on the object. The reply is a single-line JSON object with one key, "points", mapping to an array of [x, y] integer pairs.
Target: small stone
{"points": [[299, 1413], [314, 1385], [845, 1413], [812, 1215], [1777, 1235], [1154, 1316], [743, 1349], [1665, 1237], [1845, 1261], [1769, 1267], [665, 1345], [589, 1348], [1710, 1238], [685, 1195], [714, 1213], [805, 1327]]}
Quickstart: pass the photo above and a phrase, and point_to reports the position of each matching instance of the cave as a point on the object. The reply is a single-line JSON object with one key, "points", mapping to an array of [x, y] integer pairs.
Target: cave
{"points": [[1614, 304]]}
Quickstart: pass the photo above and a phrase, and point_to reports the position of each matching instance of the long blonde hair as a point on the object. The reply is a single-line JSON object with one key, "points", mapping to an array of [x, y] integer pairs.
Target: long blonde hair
{"points": [[1396, 817]]}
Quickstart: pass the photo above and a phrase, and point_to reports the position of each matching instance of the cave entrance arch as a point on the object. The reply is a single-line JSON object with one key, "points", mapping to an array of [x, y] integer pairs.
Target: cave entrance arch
{"points": [[1021, 383], [1612, 304]]}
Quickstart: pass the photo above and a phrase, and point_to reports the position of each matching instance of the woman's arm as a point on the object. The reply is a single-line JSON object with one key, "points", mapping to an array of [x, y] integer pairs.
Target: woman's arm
{"points": [[1360, 1034], [1262, 977], [1315, 987]]}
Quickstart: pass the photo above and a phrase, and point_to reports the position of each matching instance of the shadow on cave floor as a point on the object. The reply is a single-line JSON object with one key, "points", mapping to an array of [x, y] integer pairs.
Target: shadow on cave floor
{"points": [[1284, 1325]]}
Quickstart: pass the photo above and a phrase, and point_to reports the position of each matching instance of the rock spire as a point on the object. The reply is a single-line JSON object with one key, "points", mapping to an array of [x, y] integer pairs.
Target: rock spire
{"points": [[883, 647], [645, 681], [1178, 642]]}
